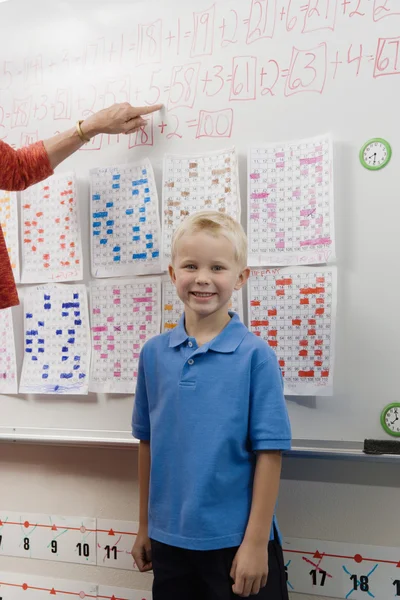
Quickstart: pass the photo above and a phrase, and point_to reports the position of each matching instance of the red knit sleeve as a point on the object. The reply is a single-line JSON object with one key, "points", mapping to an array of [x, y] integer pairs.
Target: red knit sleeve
{"points": [[18, 170], [8, 291], [21, 168]]}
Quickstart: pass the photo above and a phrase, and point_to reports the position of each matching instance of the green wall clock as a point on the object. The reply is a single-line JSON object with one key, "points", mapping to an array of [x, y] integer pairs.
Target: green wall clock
{"points": [[375, 154], [390, 419]]}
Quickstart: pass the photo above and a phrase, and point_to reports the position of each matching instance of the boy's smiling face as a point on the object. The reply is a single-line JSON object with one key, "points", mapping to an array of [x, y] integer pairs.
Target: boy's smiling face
{"points": [[205, 273]]}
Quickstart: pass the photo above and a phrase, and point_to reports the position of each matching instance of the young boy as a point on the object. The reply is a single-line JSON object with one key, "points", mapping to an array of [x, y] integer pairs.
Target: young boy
{"points": [[211, 419]]}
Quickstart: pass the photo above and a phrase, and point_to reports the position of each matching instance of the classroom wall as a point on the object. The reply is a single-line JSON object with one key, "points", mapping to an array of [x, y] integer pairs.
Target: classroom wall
{"points": [[333, 500], [350, 501]]}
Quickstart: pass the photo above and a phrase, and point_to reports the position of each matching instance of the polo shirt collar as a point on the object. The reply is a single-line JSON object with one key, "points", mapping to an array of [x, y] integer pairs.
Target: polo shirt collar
{"points": [[226, 341], [178, 335]]}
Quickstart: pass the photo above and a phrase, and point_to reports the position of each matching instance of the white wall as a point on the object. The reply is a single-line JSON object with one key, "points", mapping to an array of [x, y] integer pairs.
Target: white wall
{"points": [[334, 500]]}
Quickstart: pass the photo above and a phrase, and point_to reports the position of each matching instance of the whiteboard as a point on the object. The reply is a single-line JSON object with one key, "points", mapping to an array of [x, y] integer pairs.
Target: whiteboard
{"points": [[276, 70]]}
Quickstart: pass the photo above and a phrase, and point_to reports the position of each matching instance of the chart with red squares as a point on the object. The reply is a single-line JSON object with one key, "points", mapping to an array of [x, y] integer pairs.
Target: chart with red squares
{"points": [[51, 231], [294, 310]]}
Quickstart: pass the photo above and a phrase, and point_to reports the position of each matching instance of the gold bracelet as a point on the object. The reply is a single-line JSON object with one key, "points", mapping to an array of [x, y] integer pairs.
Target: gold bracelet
{"points": [[84, 139]]}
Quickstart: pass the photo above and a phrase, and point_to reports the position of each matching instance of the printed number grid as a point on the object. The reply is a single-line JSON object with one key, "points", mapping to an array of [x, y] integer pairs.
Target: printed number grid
{"points": [[125, 222], [57, 340], [191, 184], [124, 315], [8, 367], [290, 203], [51, 239], [294, 311], [9, 225], [172, 306]]}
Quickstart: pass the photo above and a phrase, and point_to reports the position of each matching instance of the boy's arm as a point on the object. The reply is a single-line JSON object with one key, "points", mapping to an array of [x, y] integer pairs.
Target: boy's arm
{"points": [[250, 566], [265, 493], [269, 433], [144, 482], [141, 550]]}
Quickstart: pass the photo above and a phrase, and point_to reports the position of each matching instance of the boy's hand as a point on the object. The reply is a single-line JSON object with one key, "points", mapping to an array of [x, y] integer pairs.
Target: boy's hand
{"points": [[249, 569], [141, 552]]}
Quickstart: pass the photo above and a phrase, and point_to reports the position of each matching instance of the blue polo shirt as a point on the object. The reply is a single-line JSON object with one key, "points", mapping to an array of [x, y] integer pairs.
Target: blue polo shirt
{"points": [[206, 411]]}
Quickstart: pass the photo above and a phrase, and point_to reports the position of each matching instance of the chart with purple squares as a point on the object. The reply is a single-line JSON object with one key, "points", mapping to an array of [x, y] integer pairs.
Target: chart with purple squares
{"points": [[8, 365], [124, 315], [290, 203], [125, 223], [173, 307], [56, 340]]}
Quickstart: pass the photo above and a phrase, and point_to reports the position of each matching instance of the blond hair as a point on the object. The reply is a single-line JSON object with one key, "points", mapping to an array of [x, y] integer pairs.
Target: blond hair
{"points": [[215, 223]]}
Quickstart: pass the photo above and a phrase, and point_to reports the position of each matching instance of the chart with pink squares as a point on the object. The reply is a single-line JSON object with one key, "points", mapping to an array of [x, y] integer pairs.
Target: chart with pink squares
{"points": [[173, 307], [8, 366], [290, 203], [294, 310], [125, 313]]}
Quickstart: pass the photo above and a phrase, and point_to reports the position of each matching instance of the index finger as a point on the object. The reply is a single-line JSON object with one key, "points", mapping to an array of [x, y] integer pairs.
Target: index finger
{"points": [[238, 586], [139, 562], [146, 110]]}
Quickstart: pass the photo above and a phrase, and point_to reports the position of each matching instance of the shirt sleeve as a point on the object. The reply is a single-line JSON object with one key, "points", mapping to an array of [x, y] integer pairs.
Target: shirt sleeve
{"points": [[8, 290], [24, 167], [140, 416], [269, 427]]}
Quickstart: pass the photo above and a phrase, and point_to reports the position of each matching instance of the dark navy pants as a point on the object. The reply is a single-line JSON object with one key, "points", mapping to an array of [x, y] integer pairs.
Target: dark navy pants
{"points": [[181, 574]]}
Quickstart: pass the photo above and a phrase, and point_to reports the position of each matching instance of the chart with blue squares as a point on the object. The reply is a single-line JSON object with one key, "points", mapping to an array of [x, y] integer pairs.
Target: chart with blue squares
{"points": [[56, 340], [125, 222]]}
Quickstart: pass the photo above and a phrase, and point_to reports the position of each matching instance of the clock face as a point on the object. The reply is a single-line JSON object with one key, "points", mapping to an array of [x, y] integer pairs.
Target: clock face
{"points": [[375, 154], [392, 419]]}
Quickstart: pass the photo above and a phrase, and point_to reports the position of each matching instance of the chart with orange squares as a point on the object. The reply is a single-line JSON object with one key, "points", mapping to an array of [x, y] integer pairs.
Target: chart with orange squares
{"points": [[172, 306], [197, 182], [51, 233], [294, 310], [9, 226]]}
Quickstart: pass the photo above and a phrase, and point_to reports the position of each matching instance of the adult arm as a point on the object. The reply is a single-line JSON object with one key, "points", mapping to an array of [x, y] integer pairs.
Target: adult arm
{"points": [[119, 118], [21, 168], [24, 167]]}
